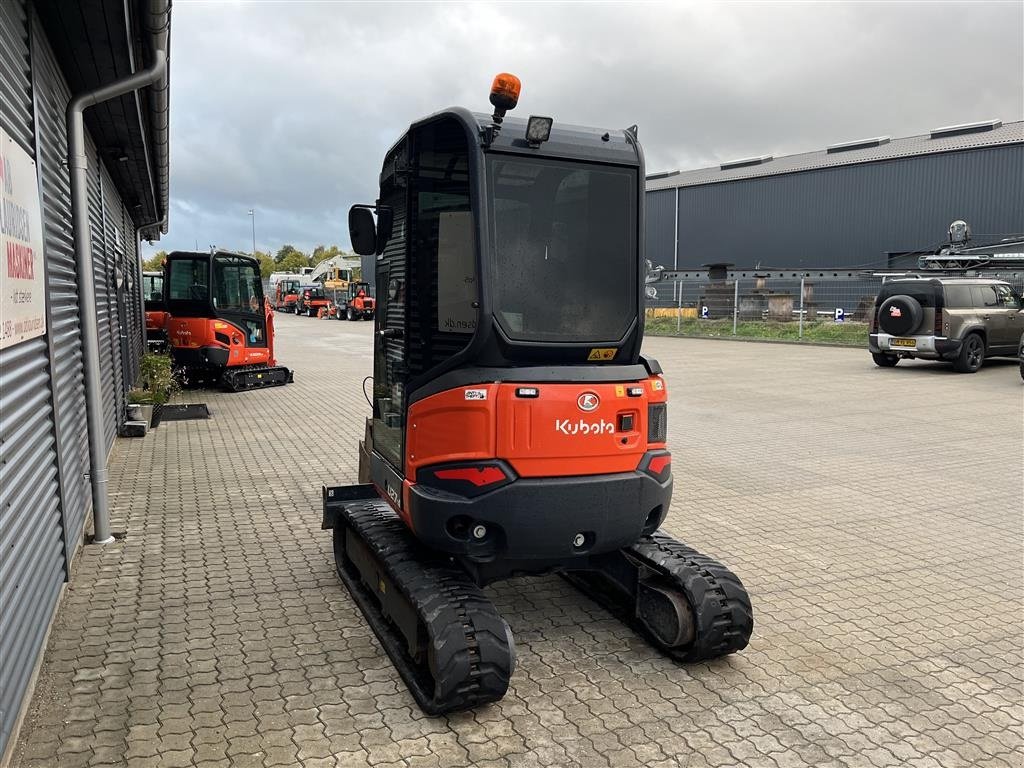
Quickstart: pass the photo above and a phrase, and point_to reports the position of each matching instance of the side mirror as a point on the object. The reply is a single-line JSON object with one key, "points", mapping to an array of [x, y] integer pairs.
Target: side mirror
{"points": [[362, 231]]}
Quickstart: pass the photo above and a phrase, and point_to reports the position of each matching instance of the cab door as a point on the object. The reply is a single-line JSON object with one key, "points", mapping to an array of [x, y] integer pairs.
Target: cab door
{"points": [[389, 349]]}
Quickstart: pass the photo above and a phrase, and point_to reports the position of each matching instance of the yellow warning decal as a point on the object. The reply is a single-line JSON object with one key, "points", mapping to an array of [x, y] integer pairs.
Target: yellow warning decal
{"points": [[657, 385], [220, 326], [620, 391], [602, 353]]}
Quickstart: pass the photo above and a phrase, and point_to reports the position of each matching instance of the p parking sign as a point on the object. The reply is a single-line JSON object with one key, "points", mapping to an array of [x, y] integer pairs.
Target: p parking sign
{"points": [[840, 315], [703, 311]]}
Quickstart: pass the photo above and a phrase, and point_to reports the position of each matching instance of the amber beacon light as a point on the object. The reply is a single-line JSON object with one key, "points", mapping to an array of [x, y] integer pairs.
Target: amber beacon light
{"points": [[504, 94]]}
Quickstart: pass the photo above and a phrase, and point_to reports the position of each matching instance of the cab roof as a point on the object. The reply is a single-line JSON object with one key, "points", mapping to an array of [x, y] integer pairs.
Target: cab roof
{"points": [[578, 142]]}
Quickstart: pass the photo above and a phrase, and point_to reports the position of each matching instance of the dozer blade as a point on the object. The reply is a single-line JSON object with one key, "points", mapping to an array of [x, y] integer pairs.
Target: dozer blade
{"points": [[445, 638], [689, 605], [241, 379]]}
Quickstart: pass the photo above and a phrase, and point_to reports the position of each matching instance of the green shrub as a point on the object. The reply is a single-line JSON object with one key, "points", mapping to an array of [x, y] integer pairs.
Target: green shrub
{"points": [[156, 381]]}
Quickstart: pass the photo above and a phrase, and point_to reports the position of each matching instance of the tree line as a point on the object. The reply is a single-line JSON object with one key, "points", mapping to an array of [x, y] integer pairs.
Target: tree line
{"points": [[287, 259]]}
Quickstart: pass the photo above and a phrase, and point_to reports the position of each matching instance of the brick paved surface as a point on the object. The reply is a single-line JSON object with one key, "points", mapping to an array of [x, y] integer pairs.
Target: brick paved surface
{"points": [[875, 515]]}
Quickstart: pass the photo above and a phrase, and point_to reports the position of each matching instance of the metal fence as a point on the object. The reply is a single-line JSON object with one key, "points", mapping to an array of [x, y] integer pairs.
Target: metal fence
{"points": [[800, 306]]}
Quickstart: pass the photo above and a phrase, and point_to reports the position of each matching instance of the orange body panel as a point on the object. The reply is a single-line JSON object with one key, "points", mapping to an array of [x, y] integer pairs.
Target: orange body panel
{"points": [[193, 333], [450, 427], [561, 432], [156, 320]]}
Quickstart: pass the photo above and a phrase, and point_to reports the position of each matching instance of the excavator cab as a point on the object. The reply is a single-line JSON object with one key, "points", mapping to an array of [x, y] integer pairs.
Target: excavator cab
{"points": [[156, 310], [221, 326], [516, 427]]}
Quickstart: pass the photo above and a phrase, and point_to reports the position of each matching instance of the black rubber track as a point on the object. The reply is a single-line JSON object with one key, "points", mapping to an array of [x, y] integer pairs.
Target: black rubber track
{"points": [[471, 657], [255, 377], [722, 614]]}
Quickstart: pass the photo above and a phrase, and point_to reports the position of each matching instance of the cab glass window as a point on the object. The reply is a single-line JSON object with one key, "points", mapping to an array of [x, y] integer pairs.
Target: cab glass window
{"points": [[557, 223], [236, 286], [189, 279]]}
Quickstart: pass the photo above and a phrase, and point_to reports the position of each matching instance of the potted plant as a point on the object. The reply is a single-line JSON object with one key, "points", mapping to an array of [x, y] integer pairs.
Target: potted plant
{"points": [[140, 406], [155, 386]]}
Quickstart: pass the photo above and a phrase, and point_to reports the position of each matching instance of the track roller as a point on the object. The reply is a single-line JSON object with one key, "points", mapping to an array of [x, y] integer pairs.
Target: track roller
{"points": [[690, 606]]}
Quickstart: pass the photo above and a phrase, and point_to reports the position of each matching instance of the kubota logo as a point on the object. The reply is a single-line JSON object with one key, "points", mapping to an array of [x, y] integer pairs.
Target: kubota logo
{"points": [[582, 427], [588, 402], [895, 312]]}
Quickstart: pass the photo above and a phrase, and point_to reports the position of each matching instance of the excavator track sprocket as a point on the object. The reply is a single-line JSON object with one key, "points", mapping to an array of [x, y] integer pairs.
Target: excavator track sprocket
{"points": [[689, 605], [445, 638]]}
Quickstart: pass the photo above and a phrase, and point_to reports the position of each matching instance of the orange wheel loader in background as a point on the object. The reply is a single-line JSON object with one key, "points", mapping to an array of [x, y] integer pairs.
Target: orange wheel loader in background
{"points": [[517, 429]]}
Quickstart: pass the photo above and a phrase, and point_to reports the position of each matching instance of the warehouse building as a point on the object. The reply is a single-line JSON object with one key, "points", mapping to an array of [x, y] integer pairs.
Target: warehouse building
{"points": [[83, 177], [857, 203]]}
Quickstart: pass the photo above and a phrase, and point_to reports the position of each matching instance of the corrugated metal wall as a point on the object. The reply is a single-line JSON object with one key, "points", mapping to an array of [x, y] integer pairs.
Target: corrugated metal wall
{"points": [[660, 223], [44, 493], [845, 216], [32, 552], [15, 89], [104, 286], [52, 96]]}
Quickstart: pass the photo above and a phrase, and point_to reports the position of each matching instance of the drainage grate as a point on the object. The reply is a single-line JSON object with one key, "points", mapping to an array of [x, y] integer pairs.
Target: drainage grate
{"points": [[184, 412]]}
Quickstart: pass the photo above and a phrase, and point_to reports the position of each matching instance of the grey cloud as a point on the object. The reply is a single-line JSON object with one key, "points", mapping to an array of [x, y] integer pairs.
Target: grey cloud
{"points": [[290, 106]]}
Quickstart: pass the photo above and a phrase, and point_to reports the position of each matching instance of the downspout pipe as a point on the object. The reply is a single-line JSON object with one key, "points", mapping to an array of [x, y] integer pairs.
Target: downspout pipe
{"points": [[78, 167]]}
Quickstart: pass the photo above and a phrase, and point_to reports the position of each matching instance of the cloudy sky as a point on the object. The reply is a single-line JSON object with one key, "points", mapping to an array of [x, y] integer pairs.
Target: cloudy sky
{"points": [[288, 107]]}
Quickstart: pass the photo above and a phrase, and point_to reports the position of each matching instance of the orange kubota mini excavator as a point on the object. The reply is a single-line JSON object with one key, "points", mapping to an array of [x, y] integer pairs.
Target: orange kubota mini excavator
{"points": [[220, 324], [156, 310], [517, 429]]}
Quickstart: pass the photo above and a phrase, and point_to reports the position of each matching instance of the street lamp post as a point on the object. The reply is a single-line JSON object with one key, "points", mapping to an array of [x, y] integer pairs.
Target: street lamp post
{"points": [[252, 212]]}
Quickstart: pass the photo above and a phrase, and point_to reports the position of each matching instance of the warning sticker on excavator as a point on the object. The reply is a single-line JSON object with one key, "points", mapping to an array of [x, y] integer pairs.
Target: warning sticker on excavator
{"points": [[620, 391], [602, 353]]}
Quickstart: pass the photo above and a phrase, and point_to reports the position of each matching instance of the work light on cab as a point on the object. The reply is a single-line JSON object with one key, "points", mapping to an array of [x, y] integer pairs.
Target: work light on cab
{"points": [[538, 130]]}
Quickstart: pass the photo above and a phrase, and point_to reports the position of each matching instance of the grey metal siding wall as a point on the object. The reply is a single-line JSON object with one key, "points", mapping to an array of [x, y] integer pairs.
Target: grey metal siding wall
{"points": [[52, 96], [113, 236], [15, 88], [32, 552], [850, 215], [102, 277], [659, 210], [133, 302]]}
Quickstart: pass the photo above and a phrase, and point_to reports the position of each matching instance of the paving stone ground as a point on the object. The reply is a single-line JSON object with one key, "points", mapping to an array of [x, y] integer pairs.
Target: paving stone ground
{"points": [[875, 516]]}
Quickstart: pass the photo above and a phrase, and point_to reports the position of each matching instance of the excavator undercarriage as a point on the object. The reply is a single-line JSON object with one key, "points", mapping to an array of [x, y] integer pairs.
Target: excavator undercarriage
{"points": [[454, 650]]}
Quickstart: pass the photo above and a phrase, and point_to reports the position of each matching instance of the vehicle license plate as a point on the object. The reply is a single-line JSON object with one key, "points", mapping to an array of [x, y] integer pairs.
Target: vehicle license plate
{"points": [[903, 343]]}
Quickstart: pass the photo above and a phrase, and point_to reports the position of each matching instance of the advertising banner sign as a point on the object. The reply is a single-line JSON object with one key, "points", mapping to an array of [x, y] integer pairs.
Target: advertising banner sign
{"points": [[22, 276]]}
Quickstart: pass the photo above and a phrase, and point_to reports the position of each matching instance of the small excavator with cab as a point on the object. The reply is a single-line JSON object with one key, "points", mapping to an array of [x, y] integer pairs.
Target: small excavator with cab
{"points": [[512, 433], [156, 310], [221, 327], [286, 293]]}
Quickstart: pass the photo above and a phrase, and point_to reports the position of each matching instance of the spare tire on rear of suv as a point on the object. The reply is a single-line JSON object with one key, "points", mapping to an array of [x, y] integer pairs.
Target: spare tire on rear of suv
{"points": [[900, 315]]}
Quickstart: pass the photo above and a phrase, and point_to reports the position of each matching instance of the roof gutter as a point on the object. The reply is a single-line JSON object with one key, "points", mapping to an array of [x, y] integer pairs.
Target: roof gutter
{"points": [[78, 166], [158, 25]]}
